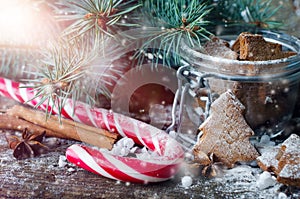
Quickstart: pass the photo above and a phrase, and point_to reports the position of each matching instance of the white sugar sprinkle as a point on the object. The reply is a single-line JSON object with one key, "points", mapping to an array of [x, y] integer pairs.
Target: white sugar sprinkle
{"points": [[282, 195], [71, 169], [265, 180], [186, 181], [62, 161]]}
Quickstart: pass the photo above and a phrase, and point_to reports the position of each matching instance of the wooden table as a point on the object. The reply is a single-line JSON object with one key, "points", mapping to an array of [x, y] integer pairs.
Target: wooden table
{"points": [[42, 177]]}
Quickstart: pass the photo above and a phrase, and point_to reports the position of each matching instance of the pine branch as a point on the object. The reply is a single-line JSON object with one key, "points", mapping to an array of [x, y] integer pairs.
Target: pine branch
{"points": [[63, 73], [81, 66], [167, 24], [96, 18], [15, 62], [72, 69], [258, 13]]}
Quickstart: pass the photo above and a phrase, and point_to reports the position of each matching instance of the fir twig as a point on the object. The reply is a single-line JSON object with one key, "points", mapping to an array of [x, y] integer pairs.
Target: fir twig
{"points": [[18, 59], [62, 75], [96, 17], [168, 23], [70, 70], [73, 70], [258, 13]]}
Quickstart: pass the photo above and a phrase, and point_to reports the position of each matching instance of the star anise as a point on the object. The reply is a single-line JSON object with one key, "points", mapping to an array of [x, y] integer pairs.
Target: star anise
{"points": [[213, 169], [208, 165], [28, 146]]}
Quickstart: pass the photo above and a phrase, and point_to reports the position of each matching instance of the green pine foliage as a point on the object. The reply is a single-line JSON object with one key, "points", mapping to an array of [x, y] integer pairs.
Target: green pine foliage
{"points": [[96, 17], [17, 61], [72, 69], [167, 23], [65, 66], [157, 26], [258, 13]]}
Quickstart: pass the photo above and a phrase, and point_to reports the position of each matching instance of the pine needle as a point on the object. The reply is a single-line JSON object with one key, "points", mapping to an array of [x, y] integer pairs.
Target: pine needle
{"points": [[167, 24], [74, 70], [259, 13], [96, 16]]}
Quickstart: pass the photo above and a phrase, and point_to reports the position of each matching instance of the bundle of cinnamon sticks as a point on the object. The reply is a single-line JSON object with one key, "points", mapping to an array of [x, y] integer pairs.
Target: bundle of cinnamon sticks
{"points": [[20, 117]]}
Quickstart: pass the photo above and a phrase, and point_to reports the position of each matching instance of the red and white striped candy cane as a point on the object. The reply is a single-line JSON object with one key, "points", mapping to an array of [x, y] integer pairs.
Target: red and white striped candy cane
{"points": [[163, 167], [128, 169]]}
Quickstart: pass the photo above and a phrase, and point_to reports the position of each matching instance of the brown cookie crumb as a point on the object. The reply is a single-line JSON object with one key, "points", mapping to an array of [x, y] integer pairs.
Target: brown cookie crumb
{"points": [[289, 161], [253, 47], [267, 161], [219, 48], [283, 161]]}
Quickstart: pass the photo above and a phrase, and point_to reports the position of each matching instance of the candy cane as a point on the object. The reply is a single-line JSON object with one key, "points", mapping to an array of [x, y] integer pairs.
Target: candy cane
{"points": [[160, 168]]}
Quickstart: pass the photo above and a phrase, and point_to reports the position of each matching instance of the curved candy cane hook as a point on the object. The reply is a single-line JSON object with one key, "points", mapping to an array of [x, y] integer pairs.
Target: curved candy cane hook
{"points": [[159, 168]]}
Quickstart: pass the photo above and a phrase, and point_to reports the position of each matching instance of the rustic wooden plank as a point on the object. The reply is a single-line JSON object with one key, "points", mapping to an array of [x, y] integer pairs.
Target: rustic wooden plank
{"points": [[41, 177]]}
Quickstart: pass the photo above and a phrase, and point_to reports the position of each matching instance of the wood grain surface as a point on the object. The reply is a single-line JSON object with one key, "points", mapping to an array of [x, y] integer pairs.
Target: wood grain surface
{"points": [[42, 177]]}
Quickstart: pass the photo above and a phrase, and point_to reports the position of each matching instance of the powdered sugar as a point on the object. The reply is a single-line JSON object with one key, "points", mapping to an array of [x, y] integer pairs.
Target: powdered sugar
{"points": [[123, 147], [62, 161], [186, 181], [265, 180]]}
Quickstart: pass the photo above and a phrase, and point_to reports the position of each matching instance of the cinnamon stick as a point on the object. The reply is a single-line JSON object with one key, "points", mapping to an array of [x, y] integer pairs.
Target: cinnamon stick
{"points": [[66, 128], [14, 123]]}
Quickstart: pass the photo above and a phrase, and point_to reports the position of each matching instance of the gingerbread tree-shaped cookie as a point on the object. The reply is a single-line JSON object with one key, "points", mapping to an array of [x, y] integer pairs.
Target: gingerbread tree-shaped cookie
{"points": [[226, 133]]}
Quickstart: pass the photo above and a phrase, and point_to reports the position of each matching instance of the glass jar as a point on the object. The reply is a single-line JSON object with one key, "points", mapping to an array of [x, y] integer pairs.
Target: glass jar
{"points": [[268, 89]]}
